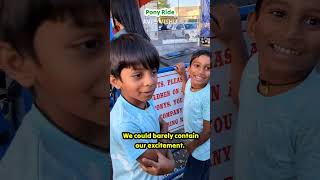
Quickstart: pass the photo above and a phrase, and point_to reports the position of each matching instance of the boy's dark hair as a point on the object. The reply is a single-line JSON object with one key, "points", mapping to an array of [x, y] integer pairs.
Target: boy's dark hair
{"points": [[132, 50], [127, 13], [20, 19], [258, 6], [200, 53]]}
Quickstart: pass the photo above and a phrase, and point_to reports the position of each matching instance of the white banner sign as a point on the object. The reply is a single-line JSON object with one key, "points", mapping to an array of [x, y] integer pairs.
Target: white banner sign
{"points": [[168, 99], [224, 112]]}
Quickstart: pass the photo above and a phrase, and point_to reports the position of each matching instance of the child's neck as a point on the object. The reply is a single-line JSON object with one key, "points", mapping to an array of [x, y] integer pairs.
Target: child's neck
{"points": [[271, 85], [273, 90], [197, 88], [138, 104]]}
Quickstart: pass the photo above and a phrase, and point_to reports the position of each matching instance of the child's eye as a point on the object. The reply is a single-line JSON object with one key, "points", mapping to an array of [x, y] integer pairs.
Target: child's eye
{"points": [[278, 13], [313, 21], [91, 44], [154, 72], [139, 75], [196, 65]]}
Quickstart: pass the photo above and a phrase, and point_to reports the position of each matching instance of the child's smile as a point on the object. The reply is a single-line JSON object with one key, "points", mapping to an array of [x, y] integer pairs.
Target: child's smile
{"points": [[199, 72], [200, 78], [288, 51], [287, 34]]}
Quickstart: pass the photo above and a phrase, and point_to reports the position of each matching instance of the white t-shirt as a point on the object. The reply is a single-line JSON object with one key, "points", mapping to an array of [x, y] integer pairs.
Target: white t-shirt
{"points": [[196, 109], [40, 151], [125, 117]]}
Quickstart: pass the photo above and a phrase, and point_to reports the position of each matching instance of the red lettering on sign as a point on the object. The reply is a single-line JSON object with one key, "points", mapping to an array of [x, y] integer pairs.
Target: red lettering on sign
{"points": [[177, 101], [174, 81], [171, 113], [218, 62], [216, 157], [227, 121], [174, 122], [228, 56], [175, 91], [161, 95], [215, 92], [224, 123], [226, 152], [160, 84], [221, 155], [163, 105], [222, 59], [218, 125]]}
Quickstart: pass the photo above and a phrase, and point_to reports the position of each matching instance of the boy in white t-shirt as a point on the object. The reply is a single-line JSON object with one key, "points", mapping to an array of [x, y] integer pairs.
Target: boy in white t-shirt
{"points": [[196, 114], [57, 50], [134, 66]]}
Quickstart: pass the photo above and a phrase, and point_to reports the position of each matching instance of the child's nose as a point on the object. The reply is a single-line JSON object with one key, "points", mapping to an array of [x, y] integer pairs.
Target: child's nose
{"points": [[293, 30], [202, 71], [150, 80]]}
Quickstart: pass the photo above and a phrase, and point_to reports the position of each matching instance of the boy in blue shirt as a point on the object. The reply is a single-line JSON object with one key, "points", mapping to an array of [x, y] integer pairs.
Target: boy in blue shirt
{"points": [[196, 114], [134, 66], [57, 50], [278, 130]]}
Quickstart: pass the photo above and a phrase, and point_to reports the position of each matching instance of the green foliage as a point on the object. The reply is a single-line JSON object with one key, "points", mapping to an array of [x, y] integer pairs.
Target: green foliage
{"points": [[163, 4]]}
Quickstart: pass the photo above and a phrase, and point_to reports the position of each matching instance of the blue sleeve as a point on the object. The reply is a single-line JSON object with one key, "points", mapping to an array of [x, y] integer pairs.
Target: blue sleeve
{"points": [[129, 144]]}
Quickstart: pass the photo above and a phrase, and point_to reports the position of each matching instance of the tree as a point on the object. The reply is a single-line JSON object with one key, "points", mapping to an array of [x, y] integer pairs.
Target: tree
{"points": [[163, 4]]}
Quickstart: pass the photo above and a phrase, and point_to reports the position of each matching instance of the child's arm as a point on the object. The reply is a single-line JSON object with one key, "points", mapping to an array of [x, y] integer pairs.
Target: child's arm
{"points": [[157, 168], [204, 136], [158, 161], [229, 32], [163, 128], [152, 153], [182, 72], [164, 163]]}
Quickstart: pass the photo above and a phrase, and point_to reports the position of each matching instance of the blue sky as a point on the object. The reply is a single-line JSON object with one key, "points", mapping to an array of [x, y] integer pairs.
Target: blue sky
{"points": [[174, 3]]}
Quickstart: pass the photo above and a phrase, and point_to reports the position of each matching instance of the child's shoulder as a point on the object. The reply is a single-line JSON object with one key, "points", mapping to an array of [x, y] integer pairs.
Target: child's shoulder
{"points": [[21, 152], [188, 85], [123, 111], [252, 66], [205, 91]]}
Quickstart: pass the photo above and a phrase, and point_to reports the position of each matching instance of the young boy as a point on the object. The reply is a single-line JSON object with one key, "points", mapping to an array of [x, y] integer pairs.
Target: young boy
{"points": [[57, 49], [134, 66], [196, 114], [278, 130]]}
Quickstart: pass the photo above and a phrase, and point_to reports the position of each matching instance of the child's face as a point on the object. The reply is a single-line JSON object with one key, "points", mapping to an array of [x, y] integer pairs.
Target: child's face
{"points": [[70, 81], [199, 71], [287, 33], [137, 85]]}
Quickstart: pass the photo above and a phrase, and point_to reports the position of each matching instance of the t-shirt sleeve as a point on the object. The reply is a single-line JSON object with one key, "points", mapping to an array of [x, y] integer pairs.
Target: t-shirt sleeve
{"points": [[206, 106], [129, 144]]}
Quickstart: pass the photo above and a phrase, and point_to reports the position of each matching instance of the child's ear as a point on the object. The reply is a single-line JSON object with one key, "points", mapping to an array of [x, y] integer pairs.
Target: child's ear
{"points": [[115, 82], [17, 67], [252, 21]]}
